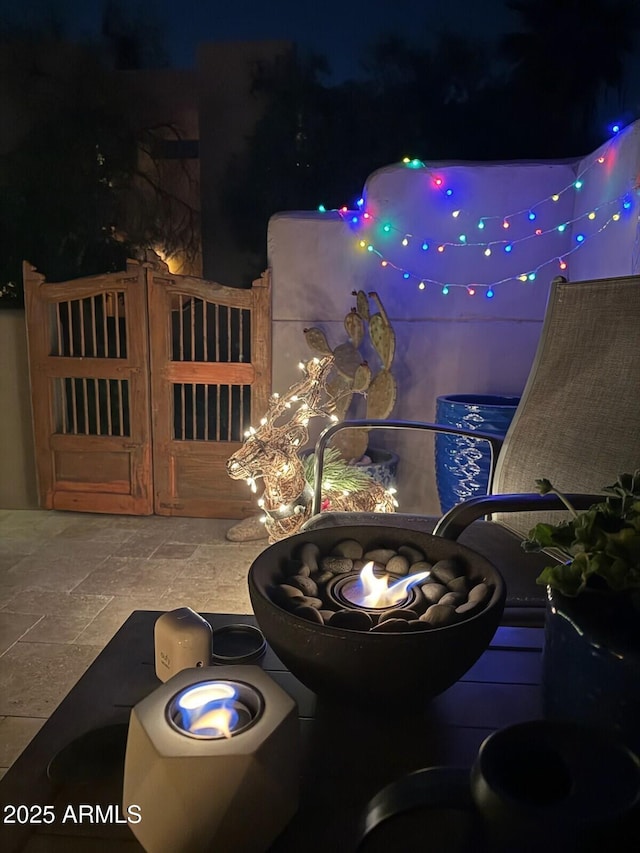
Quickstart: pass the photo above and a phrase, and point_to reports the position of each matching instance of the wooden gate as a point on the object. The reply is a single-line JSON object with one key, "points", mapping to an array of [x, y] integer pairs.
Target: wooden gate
{"points": [[143, 384], [210, 378]]}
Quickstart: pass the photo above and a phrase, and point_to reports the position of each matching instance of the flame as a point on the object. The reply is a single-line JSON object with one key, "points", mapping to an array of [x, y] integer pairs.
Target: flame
{"points": [[373, 591], [214, 722], [207, 709]]}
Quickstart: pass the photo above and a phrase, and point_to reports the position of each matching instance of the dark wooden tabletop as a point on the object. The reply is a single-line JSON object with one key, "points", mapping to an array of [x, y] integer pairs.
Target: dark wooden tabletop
{"points": [[347, 754]]}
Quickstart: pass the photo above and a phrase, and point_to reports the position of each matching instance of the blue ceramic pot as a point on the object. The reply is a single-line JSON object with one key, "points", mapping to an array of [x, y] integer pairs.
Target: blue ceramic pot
{"points": [[591, 662], [383, 467], [463, 464]]}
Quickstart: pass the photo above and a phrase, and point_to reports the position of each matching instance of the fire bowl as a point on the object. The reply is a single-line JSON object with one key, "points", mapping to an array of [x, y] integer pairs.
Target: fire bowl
{"points": [[415, 659]]}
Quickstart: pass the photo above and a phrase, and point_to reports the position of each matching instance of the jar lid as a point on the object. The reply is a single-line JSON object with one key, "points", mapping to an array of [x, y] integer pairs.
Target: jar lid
{"points": [[237, 643]]}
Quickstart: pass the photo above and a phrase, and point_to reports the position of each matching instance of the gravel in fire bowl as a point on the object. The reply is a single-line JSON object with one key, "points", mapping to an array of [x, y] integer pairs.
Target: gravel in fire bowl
{"points": [[448, 595]]}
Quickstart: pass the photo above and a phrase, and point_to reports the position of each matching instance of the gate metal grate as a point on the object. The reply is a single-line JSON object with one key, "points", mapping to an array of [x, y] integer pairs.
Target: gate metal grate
{"points": [[211, 412], [205, 331], [85, 406], [208, 332], [94, 327]]}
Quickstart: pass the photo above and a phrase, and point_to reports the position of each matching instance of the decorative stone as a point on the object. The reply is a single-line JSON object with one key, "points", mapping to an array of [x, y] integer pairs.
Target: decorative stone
{"points": [[414, 555], [459, 584], [398, 565], [296, 567], [439, 615], [420, 566], [310, 601], [468, 608], [326, 615], [309, 553], [355, 620], [337, 565], [446, 570], [348, 548], [290, 591], [398, 613], [305, 611], [455, 599], [433, 591], [380, 555], [305, 584], [480, 592], [447, 595]]}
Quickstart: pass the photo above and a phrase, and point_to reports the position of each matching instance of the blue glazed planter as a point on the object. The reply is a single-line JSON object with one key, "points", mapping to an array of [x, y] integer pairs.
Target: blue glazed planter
{"points": [[383, 467], [462, 464], [591, 662]]}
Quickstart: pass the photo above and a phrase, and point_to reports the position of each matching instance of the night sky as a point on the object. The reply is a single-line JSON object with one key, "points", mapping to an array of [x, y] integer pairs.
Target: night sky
{"points": [[338, 29]]}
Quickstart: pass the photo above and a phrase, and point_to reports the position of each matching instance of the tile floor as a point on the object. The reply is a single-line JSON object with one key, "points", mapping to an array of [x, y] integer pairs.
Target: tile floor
{"points": [[69, 580]]}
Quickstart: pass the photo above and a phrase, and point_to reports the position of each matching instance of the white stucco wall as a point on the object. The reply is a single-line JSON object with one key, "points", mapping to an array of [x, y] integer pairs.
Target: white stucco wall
{"points": [[18, 487], [615, 251], [454, 343]]}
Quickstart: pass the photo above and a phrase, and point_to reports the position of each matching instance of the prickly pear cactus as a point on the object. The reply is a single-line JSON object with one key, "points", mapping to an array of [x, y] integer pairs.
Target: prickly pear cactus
{"points": [[354, 375]]}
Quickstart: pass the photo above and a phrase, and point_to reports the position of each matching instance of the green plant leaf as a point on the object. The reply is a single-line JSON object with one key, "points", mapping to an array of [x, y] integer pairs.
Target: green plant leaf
{"points": [[602, 543]]}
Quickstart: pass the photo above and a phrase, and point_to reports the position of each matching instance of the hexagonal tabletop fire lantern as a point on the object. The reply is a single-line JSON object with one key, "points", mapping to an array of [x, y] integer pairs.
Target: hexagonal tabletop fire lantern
{"points": [[212, 762]]}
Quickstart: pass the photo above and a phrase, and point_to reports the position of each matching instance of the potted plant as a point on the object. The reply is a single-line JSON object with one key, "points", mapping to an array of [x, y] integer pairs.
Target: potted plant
{"points": [[591, 660]]}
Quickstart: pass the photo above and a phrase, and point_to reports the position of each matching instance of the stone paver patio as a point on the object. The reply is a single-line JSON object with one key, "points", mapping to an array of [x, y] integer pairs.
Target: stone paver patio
{"points": [[69, 580]]}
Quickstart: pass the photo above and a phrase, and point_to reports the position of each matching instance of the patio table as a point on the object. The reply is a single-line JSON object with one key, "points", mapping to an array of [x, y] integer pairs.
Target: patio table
{"points": [[348, 755]]}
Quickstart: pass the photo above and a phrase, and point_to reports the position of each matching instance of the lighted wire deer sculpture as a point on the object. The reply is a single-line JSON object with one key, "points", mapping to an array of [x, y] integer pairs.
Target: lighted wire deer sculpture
{"points": [[272, 452]]}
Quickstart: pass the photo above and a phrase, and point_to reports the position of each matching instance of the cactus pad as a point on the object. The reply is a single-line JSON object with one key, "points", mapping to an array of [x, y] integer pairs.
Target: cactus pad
{"points": [[347, 359], [340, 389], [362, 303], [352, 443], [383, 339], [317, 341], [362, 378], [380, 307], [354, 325], [381, 396]]}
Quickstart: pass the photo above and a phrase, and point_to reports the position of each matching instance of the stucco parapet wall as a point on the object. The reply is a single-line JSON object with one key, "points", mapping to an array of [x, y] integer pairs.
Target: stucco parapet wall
{"points": [[315, 256]]}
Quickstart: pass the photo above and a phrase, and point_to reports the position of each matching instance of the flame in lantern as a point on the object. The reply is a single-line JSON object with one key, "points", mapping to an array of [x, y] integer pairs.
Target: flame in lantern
{"points": [[376, 592], [217, 721], [207, 709]]}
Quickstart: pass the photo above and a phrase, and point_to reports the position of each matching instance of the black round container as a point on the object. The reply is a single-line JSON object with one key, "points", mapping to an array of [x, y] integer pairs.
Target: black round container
{"points": [[367, 666], [237, 643]]}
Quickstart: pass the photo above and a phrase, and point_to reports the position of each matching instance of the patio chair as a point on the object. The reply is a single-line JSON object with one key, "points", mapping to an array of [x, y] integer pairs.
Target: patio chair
{"points": [[577, 424]]}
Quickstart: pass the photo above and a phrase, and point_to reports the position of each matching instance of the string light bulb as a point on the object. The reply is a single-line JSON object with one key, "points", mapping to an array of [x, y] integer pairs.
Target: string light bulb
{"points": [[531, 213]]}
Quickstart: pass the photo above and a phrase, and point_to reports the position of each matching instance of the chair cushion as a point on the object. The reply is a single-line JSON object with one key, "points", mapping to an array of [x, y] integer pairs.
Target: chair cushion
{"points": [[526, 600]]}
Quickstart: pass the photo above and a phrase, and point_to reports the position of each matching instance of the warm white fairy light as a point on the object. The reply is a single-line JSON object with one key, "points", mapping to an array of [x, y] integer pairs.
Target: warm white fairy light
{"points": [[272, 453]]}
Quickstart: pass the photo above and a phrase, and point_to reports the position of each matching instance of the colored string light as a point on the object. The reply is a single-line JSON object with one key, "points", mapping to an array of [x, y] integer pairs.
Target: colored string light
{"points": [[524, 277], [623, 203]]}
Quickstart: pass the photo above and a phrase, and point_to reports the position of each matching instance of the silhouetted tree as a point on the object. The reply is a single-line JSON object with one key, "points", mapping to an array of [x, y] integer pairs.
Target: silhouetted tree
{"points": [[83, 183], [568, 54]]}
